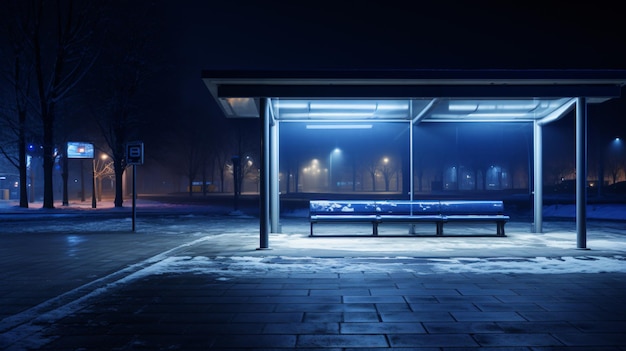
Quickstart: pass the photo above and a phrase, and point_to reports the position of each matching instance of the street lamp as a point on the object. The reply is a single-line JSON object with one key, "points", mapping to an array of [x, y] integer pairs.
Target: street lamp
{"points": [[93, 182], [102, 170], [336, 151], [616, 157]]}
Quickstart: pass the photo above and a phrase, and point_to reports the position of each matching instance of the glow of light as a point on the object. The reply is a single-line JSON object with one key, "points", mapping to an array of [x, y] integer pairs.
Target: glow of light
{"points": [[498, 114], [338, 126], [291, 104], [242, 107], [343, 106], [617, 143], [462, 107], [519, 105]]}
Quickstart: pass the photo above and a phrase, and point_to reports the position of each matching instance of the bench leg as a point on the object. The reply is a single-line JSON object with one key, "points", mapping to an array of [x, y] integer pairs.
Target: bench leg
{"points": [[500, 228], [374, 228], [439, 228], [311, 229]]}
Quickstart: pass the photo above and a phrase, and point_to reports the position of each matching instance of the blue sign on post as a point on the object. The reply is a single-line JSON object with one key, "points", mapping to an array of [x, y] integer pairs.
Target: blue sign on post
{"points": [[134, 153], [80, 150]]}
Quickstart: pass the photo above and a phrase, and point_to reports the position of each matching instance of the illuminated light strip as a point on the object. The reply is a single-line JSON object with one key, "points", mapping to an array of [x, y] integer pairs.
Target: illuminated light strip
{"points": [[338, 126], [496, 115]]}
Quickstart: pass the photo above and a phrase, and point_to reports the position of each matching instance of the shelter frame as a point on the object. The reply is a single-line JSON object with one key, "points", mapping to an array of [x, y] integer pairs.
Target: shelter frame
{"points": [[432, 96]]}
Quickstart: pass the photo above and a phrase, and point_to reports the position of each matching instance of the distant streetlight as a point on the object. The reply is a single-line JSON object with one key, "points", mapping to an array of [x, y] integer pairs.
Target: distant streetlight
{"points": [[102, 169], [336, 151], [616, 160]]}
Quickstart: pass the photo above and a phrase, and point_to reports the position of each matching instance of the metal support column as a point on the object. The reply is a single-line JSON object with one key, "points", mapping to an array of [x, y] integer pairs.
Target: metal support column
{"points": [[537, 226], [274, 177], [264, 175], [411, 185], [581, 173]]}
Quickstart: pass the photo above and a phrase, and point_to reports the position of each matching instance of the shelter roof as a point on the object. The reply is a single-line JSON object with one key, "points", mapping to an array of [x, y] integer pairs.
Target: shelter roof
{"points": [[416, 95]]}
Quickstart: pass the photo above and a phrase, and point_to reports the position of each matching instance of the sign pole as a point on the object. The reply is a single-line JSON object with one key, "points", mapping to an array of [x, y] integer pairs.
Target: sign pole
{"points": [[134, 195], [134, 156], [93, 183]]}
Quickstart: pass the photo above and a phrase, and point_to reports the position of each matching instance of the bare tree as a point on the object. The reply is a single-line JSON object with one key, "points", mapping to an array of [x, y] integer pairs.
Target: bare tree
{"points": [[369, 165], [189, 154], [123, 73], [236, 139], [615, 165], [16, 127], [57, 38], [388, 169], [102, 168]]}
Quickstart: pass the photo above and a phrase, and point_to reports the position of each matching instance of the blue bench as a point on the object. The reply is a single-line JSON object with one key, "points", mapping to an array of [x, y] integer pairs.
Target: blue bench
{"points": [[344, 211], [411, 212], [475, 211], [404, 211]]}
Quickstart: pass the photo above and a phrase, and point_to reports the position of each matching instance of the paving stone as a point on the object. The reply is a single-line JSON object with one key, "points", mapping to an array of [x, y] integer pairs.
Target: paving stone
{"points": [[416, 316], [462, 327], [432, 340], [486, 316], [535, 339], [342, 341], [382, 328], [306, 327], [412, 309], [255, 340], [592, 339]]}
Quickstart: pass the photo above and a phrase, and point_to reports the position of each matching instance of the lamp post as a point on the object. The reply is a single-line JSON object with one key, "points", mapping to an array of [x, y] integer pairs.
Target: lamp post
{"points": [[336, 151], [93, 182], [236, 177], [101, 169]]}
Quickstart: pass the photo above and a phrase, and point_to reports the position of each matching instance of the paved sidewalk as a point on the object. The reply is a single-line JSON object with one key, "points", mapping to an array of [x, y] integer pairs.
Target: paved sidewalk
{"points": [[193, 283]]}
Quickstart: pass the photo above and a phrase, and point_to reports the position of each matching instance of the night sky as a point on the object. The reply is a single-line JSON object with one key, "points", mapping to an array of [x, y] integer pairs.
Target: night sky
{"points": [[390, 34], [387, 34], [194, 35]]}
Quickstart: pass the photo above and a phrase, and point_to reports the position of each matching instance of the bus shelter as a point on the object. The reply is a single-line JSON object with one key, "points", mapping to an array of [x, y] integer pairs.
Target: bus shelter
{"points": [[358, 99]]}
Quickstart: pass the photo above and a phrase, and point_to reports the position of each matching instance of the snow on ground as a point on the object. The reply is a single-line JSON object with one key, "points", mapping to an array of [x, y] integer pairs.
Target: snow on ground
{"points": [[521, 251], [226, 268]]}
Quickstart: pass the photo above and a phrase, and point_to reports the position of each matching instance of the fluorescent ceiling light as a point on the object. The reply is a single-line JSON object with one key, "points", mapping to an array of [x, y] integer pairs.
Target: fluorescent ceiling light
{"points": [[340, 114], [290, 104], [493, 105], [343, 106], [462, 107], [338, 126], [498, 115]]}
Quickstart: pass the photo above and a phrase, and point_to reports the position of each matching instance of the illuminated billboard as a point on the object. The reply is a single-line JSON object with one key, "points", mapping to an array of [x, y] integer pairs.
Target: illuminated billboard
{"points": [[79, 150]]}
